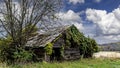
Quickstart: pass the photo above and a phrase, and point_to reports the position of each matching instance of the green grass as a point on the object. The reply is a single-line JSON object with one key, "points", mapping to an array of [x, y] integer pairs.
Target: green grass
{"points": [[84, 63]]}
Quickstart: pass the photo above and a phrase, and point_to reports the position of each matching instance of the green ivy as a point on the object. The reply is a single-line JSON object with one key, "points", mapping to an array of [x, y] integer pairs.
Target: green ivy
{"points": [[74, 38], [62, 51], [49, 48]]}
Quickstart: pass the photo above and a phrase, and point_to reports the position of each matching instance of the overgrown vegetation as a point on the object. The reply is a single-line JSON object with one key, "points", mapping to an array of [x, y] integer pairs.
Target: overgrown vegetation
{"points": [[11, 54], [49, 48], [73, 38], [19, 24], [62, 51], [11, 51]]}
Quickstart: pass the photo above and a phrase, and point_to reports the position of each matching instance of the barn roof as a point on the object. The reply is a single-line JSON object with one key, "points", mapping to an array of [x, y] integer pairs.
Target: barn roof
{"points": [[41, 40]]}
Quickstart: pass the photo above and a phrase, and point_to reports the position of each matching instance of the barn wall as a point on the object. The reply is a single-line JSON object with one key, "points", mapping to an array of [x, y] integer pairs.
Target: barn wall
{"points": [[71, 54], [59, 42]]}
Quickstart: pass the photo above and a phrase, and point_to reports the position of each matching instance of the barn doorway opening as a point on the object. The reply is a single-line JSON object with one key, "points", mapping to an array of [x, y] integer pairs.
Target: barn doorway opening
{"points": [[56, 55]]}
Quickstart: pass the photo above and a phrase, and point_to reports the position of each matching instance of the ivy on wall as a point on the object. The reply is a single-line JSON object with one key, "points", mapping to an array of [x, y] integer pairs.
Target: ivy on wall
{"points": [[74, 39], [49, 48]]}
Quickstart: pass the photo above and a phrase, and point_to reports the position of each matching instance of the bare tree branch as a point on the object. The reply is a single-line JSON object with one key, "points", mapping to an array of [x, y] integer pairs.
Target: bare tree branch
{"points": [[21, 17]]}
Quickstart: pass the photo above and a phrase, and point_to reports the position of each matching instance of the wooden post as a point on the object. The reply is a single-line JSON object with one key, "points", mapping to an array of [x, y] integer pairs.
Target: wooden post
{"points": [[46, 57]]}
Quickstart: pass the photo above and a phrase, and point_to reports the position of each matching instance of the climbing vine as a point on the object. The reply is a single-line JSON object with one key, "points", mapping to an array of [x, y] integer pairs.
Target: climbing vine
{"points": [[49, 48], [73, 38], [62, 51]]}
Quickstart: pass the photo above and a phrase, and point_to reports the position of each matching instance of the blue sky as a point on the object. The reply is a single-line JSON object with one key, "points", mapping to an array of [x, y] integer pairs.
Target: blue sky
{"points": [[99, 19], [108, 5]]}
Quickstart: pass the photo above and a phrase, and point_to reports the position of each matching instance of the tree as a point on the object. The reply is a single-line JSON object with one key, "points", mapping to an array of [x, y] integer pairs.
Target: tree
{"points": [[20, 17], [19, 21]]}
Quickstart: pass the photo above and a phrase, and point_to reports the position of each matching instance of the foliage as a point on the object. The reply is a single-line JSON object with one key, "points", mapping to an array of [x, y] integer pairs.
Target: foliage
{"points": [[21, 55], [4, 45], [48, 48], [94, 45], [88, 47], [10, 54], [73, 38], [62, 51], [19, 25], [11, 51]]}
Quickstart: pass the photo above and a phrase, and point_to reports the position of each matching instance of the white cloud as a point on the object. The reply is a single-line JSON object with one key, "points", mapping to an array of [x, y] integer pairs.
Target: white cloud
{"points": [[109, 23], [70, 17], [76, 1], [97, 1], [107, 39]]}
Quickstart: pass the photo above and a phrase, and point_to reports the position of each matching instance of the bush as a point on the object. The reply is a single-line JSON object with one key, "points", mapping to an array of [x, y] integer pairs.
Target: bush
{"points": [[10, 54], [4, 48], [21, 55], [88, 47]]}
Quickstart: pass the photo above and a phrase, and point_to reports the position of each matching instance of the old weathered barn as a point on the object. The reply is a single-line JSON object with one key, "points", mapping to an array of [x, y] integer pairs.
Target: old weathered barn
{"points": [[58, 45]]}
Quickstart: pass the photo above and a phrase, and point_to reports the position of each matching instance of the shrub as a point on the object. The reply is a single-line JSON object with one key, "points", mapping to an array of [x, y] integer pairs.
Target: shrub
{"points": [[88, 47], [21, 55], [4, 48], [10, 54]]}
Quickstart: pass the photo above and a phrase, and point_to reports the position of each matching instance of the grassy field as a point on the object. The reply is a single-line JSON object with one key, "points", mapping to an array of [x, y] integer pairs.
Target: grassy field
{"points": [[84, 63]]}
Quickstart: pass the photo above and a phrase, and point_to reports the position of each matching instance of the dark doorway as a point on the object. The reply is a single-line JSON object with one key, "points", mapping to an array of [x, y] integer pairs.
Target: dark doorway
{"points": [[56, 55]]}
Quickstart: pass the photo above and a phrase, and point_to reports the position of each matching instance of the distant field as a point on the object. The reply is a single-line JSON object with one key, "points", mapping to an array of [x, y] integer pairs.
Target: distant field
{"points": [[84, 63], [107, 54]]}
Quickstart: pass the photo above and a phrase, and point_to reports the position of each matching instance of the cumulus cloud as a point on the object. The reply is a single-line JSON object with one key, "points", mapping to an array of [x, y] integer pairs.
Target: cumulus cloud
{"points": [[109, 23], [107, 39], [70, 17], [76, 1]]}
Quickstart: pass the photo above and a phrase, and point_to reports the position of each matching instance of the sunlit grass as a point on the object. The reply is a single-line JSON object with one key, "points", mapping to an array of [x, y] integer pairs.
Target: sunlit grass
{"points": [[84, 63]]}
